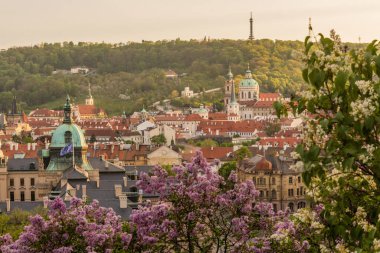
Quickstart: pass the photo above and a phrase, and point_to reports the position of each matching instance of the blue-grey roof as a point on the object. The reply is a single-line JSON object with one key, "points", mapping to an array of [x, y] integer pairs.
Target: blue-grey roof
{"points": [[22, 164]]}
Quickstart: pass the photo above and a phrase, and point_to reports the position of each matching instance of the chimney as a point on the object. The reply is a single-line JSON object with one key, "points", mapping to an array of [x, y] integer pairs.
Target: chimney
{"points": [[106, 165], [125, 179], [118, 190], [140, 198], [8, 205], [28, 146], [34, 146], [16, 146], [123, 199], [84, 192], [45, 199], [212, 148]]}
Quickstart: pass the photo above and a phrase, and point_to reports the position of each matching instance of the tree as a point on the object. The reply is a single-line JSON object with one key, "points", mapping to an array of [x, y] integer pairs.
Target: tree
{"points": [[340, 153], [199, 211], [226, 169], [242, 153], [92, 138], [158, 140], [77, 228], [272, 128]]}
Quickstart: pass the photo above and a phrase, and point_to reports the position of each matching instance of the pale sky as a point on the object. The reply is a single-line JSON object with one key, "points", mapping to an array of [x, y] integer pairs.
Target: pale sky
{"points": [[29, 22]]}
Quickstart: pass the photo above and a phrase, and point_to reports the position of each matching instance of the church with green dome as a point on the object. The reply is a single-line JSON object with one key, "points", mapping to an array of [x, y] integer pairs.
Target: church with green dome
{"points": [[248, 87], [66, 134]]}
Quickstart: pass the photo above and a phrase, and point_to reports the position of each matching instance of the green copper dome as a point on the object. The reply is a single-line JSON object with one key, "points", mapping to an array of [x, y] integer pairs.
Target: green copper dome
{"points": [[61, 136], [248, 80]]}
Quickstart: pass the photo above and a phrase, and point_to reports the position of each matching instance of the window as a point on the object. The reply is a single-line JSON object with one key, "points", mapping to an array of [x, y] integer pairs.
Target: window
{"points": [[273, 180], [254, 180], [301, 191], [301, 205], [22, 196], [12, 196], [261, 181], [249, 94], [275, 207], [274, 194], [290, 180], [228, 88], [299, 179], [68, 136], [33, 196], [290, 192], [11, 182], [32, 182], [298, 191], [22, 182], [291, 206], [261, 194]]}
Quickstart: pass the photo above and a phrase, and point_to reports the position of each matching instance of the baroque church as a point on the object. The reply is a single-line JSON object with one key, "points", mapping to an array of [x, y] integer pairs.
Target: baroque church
{"points": [[30, 182], [250, 102]]}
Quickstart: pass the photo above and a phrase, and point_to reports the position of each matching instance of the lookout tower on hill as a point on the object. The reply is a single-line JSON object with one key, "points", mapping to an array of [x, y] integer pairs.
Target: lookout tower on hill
{"points": [[251, 37]]}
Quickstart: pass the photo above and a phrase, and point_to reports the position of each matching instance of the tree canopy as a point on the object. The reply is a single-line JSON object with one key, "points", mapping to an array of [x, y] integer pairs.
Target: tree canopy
{"points": [[121, 71]]}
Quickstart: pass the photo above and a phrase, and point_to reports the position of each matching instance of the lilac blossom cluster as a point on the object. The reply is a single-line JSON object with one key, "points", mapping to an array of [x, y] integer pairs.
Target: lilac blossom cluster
{"points": [[197, 211], [77, 228]]}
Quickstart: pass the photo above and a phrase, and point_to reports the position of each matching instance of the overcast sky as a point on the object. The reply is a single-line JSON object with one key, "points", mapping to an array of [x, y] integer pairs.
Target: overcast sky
{"points": [[29, 22]]}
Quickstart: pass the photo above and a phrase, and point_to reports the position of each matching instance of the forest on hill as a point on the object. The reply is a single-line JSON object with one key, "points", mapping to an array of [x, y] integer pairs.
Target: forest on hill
{"points": [[128, 76]]}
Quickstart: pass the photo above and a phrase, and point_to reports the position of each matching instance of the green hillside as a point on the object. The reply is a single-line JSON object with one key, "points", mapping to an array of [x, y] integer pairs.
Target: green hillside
{"points": [[136, 70]]}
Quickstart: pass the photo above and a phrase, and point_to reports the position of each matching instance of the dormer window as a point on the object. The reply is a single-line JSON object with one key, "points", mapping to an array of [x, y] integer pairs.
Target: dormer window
{"points": [[68, 137]]}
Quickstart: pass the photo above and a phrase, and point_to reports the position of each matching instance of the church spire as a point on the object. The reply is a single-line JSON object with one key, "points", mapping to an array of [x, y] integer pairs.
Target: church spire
{"points": [[230, 75], [251, 37], [310, 27], [14, 106], [67, 111], [233, 95], [89, 90]]}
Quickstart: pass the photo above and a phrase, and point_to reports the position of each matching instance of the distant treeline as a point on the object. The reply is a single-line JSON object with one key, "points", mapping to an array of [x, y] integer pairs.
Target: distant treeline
{"points": [[128, 76]]}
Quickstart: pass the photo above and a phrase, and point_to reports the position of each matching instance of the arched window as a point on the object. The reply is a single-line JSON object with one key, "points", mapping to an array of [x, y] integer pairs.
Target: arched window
{"points": [[249, 94], [228, 88], [291, 206], [274, 194], [68, 137], [301, 205]]}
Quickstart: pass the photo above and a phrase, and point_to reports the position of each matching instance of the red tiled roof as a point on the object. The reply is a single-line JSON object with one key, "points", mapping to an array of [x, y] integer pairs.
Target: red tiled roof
{"points": [[46, 113], [89, 110], [211, 153], [193, 117], [217, 116], [267, 96]]}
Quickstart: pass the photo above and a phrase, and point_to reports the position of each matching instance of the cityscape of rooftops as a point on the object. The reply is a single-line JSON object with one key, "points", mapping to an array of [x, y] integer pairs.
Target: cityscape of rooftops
{"points": [[189, 127]]}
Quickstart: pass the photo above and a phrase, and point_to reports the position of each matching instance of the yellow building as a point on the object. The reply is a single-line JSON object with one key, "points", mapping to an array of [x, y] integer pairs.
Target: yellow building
{"points": [[275, 180]]}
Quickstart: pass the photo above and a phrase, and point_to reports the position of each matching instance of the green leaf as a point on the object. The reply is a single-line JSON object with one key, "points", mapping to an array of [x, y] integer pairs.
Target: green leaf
{"points": [[340, 81], [305, 73], [316, 78], [347, 163]]}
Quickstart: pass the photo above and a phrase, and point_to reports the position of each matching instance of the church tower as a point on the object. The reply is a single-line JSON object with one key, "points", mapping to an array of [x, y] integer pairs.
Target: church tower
{"points": [[233, 110], [89, 100], [251, 37], [228, 87]]}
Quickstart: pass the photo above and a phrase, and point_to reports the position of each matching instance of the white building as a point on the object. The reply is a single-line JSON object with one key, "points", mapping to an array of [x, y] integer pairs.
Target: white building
{"points": [[187, 93]]}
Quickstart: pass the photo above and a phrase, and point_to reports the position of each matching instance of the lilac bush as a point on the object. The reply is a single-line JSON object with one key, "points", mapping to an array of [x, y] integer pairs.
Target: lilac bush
{"points": [[199, 211], [77, 228]]}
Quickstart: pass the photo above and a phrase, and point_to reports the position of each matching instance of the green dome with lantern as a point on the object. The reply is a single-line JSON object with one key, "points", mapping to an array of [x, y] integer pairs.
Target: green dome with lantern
{"points": [[248, 80], [68, 132], [64, 135]]}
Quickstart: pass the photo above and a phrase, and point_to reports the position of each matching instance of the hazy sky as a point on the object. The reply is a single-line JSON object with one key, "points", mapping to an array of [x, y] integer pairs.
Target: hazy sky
{"points": [[28, 22]]}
